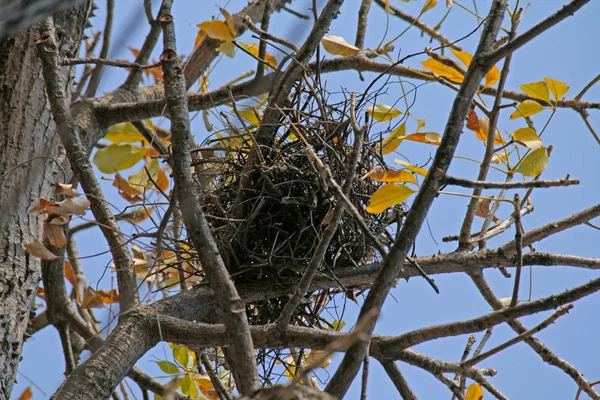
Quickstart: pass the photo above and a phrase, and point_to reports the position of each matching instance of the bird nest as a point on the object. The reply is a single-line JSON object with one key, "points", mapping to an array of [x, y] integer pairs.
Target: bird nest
{"points": [[269, 218]]}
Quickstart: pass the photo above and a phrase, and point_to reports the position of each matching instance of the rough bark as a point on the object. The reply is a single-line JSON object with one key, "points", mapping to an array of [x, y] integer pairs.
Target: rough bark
{"points": [[19, 14], [31, 160]]}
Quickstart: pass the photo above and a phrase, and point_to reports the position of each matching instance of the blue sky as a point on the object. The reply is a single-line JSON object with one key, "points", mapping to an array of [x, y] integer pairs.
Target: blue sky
{"points": [[566, 53]]}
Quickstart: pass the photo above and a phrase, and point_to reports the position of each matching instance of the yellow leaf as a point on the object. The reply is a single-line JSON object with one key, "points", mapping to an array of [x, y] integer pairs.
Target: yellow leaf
{"points": [[391, 175], [482, 132], [425, 137], [253, 49], [439, 69], [388, 196], [464, 56], [37, 249], [492, 76], [199, 37], [429, 4], [229, 21], [391, 143], [527, 137], [227, 48], [537, 90], [338, 46], [181, 355], [118, 156], [206, 387], [474, 392], [500, 158], [216, 30], [526, 109], [250, 115], [383, 112], [123, 133], [168, 367], [26, 395], [140, 179], [558, 88], [410, 167], [534, 163]]}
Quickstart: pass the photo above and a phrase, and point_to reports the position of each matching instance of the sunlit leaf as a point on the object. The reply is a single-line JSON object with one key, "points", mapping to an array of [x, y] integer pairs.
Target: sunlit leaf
{"points": [[188, 386], [439, 69], [229, 21], [527, 137], [126, 191], [69, 207], [181, 354], [65, 189], [167, 367], [388, 196], [37, 249], [91, 299], [383, 112], [534, 163], [108, 296], [500, 158], [464, 56], [117, 157], [206, 387], [217, 30], [391, 175], [123, 133], [537, 90], [483, 209], [250, 115], [558, 88], [199, 38], [410, 167], [253, 49], [421, 123], [338, 325], [474, 392], [227, 48], [140, 179], [393, 140], [69, 273], [526, 109], [482, 132], [492, 76], [473, 121], [55, 234], [338, 46], [26, 395], [425, 137], [41, 207], [429, 4]]}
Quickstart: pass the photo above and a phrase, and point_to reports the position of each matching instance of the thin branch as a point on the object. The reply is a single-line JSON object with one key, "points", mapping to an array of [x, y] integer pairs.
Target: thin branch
{"points": [[78, 157], [398, 379], [269, 36], [103, 61], [97, 73], [361, 26], [450, 180], [394, 262], [232, 308], [519, 251]]}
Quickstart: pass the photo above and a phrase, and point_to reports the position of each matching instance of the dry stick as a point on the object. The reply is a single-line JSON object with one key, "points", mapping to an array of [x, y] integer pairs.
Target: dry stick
{"points": [[69, 134], [365, 379], [544, 352], [361, 26], [584, 115], [416, 22], [464, 241], [450, 180], [319, 252], [262, 47], [461, 378], [267, 35], [394, 262], [537, 234], [547, 322], [232, 308], [103, 61], [513, 45], [519, 251], [398, 379], [97, 73]]}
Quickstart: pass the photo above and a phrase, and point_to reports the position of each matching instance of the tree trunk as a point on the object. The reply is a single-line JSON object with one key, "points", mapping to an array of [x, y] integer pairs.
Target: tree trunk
{"points": [[31, 160]]}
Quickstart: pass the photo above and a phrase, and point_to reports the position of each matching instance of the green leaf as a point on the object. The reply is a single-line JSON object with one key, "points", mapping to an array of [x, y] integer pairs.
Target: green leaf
{"points": [[558, 88], [181, 355], [168, 367], [388, 196], [123, 133], [527, 137], [537, 90], [534, 163], [117, 157], [188, 386], [526, 109], [383, 112]]}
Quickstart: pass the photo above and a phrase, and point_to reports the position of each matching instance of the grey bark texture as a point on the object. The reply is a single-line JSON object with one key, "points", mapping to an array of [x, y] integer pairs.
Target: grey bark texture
{"points": [[31, 160], [19, 14]]}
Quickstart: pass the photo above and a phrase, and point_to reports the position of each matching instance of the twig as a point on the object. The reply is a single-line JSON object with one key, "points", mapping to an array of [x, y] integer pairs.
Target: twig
{"points": [[361, 26], [268, 35], [519, 251], [68, 132], [103, 61], [97, 73], [398, 379], [231, 306], [449, 180]]}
